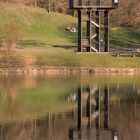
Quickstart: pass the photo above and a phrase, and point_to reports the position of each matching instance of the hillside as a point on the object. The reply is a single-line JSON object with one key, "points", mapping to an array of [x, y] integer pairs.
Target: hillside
{"points": [[45, 41], [39, 27]]}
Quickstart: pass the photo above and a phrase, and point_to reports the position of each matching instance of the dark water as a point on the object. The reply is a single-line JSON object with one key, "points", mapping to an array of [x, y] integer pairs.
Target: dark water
{"points": [[70, 107]]}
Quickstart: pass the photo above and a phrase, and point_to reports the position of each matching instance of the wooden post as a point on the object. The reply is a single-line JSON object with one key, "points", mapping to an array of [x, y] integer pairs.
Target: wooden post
{"points": [[98, 2], [106, 31], [97, 30], [80, 2], [71, 4], [79, 30], [89, 30], [88, 2]]}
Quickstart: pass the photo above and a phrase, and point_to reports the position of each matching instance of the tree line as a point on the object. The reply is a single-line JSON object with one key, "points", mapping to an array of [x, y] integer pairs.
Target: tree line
{"points": [[127, 15]]}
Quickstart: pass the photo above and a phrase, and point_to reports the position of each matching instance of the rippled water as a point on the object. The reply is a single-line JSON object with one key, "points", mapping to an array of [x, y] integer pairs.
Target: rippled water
{"points": [[70, 107]]}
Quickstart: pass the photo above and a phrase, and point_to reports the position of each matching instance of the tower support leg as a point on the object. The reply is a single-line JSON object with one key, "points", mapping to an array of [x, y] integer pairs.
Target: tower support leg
{"points": [[89, 31], [79, 30], [106, 31], [97, 30], [80, 2]]}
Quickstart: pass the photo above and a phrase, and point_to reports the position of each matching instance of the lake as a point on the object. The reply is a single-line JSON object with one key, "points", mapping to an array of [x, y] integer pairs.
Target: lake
{"points": [[72, 107]]}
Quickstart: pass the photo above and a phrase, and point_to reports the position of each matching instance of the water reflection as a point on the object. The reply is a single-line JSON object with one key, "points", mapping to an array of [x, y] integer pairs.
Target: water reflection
{"points": [[69, 108], [93, 119]]}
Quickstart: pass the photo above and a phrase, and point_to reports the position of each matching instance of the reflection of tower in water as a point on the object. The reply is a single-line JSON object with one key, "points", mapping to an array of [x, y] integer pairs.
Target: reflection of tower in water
{"points": [[93, 115]]}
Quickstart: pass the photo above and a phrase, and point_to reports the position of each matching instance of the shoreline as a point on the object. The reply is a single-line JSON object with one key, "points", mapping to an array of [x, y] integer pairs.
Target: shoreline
{"points": [[69, 70]]}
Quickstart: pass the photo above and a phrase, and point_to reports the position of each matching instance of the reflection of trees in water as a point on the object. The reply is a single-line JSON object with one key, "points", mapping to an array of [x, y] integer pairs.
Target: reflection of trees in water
{"points": [[51, 127], [10, 85], [127, 120]]}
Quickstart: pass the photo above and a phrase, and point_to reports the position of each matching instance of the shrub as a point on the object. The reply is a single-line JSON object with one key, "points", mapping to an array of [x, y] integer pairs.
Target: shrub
{"points": [[11, 35]]}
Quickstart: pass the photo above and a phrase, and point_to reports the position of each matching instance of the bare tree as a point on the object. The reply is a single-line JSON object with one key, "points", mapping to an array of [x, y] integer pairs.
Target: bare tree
{"points": [[128, 14], [11, 35]]}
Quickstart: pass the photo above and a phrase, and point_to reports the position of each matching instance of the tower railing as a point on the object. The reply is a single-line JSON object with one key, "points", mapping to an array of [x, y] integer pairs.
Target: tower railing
{"points": [[92, 3]]}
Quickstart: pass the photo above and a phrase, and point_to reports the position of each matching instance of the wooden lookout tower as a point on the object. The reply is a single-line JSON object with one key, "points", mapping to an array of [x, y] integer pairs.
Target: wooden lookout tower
{"points": [[95, 14]]}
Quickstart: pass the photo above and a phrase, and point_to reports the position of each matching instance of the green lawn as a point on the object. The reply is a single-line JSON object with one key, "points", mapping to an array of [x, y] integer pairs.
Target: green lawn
{"points": [[40, 28], [125, 38], [60, 57], [68, 58], [46, 42]]}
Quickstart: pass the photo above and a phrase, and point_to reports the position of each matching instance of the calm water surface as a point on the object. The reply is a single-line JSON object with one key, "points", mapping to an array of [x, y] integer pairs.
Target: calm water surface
{"points": [[70, 107]]}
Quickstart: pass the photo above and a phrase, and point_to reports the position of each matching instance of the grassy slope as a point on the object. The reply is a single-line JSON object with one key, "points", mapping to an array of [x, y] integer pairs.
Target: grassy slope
{"points": [[125, 37], [50, 44], [39, 27]]}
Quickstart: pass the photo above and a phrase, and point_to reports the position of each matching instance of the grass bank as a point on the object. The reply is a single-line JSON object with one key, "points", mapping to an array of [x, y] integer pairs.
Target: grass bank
{"points": [[60, 57], [45, 41]]}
